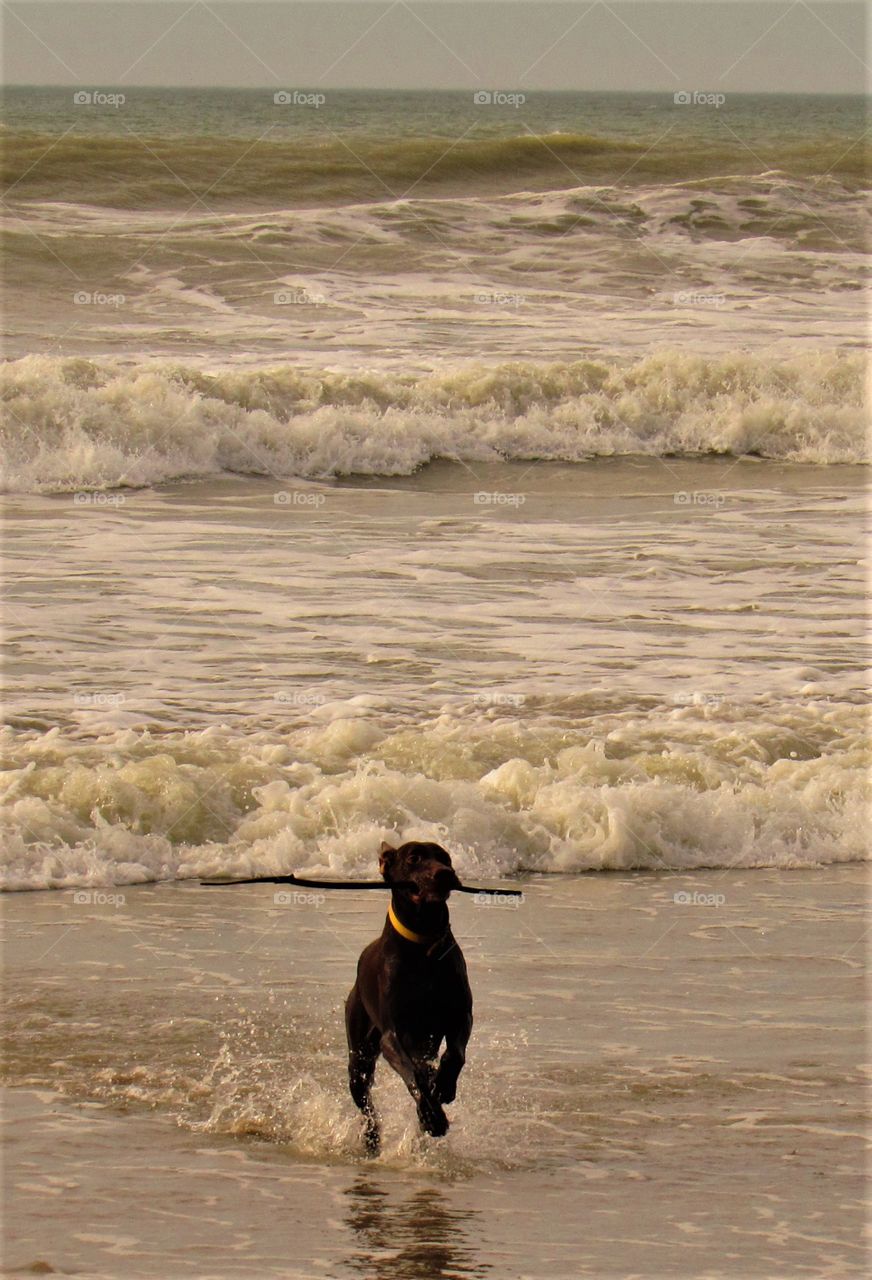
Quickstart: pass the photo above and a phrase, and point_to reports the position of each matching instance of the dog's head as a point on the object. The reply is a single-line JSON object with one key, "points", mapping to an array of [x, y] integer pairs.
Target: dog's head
{"points": [[419, 871]]}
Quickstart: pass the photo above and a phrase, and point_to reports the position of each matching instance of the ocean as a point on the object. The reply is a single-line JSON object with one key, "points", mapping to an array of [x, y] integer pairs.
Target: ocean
{"points": [[401, 465]]}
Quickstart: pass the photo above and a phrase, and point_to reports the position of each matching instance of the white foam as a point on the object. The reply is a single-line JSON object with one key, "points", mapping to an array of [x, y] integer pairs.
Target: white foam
{"points": [[72, 424], [763, 785]]}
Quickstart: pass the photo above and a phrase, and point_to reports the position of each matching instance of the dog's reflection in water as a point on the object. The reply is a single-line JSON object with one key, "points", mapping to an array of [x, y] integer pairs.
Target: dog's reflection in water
{"points": [[421, 1237]]}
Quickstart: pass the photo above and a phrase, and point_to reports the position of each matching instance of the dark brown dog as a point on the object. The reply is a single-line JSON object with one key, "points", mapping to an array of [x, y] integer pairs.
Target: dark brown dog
{"points": [[411, 992]]}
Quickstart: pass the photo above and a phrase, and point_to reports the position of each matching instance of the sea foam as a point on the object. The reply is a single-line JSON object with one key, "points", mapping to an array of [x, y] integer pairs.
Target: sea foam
{"points": [[778, 784], [71, 424]]}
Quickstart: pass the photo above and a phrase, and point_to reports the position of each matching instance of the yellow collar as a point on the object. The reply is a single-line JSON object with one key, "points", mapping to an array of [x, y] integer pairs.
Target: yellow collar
{"points": [[401, 929]]}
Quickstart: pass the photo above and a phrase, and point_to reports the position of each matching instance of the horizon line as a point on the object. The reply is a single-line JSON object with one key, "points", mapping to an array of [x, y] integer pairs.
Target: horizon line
{"points": [[349, 88]]}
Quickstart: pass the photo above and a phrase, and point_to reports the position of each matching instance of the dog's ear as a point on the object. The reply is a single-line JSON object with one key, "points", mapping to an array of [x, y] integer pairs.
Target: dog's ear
{"points": [[386, 858]]}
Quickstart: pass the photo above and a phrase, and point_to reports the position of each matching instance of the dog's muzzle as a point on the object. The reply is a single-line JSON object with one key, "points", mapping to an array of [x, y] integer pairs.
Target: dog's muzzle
{"points": [[435, 887]]}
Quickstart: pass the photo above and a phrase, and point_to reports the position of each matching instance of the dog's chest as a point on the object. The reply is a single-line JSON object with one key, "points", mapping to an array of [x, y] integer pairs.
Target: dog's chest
{"points": [[429, 982]]}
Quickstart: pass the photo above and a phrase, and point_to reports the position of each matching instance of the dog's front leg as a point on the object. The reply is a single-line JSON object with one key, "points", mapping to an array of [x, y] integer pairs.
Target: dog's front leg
{"points": [[419, 1079], [452, 1061]]}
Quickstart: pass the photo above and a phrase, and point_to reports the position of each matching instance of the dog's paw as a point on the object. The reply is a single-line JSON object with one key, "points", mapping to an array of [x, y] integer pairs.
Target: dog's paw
{"points": [[446, 1093], [433, 1119]]}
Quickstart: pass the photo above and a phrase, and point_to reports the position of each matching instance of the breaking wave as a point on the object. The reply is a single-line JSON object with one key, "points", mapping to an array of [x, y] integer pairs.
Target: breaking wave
{"points": [[72, 424], [763, 784]]}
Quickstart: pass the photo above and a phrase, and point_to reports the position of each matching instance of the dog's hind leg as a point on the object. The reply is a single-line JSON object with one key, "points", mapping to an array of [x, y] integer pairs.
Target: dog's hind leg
{"points": [[361, 1069], [363, 1050]]}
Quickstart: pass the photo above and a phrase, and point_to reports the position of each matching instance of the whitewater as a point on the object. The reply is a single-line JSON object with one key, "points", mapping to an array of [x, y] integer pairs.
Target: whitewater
{"points": [[648, 662], [76, 424], [674, 788]]}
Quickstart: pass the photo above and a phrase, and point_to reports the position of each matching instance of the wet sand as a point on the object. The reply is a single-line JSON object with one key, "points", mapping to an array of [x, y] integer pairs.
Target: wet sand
{"points": [[664, 1079]]}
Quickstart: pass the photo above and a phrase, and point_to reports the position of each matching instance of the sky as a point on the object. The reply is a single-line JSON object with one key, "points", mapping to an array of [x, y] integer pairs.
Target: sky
{"points": [[706, 45]]}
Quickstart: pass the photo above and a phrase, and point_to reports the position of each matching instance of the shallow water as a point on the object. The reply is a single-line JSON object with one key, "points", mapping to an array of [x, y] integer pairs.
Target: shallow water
{"points": [[674, 1052]]}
